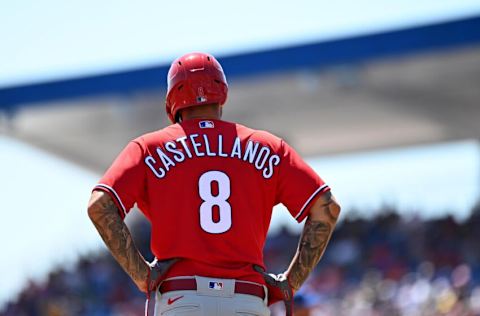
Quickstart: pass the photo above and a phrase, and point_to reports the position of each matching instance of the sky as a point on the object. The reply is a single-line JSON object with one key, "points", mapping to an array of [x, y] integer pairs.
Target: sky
{"points": [[55, 39], [44, 199]]}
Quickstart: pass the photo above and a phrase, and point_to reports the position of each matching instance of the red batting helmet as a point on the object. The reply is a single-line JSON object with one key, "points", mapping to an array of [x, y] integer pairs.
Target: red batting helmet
{"points": [[195, 79]]}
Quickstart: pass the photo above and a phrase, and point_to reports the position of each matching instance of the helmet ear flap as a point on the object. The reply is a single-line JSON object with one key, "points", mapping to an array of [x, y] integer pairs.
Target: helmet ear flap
{"points": [[178, 117]]}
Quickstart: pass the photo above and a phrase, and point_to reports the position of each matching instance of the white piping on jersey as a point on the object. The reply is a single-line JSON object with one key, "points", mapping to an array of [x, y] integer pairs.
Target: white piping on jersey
{"points": [[310, 199], [109, 188]]}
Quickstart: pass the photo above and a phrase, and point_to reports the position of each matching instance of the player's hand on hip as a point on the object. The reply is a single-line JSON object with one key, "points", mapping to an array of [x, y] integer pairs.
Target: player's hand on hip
{"points": [[279, 288], [158, 269]]}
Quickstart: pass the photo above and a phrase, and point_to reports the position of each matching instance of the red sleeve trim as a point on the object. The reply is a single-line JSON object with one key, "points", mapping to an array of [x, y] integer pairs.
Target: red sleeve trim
{"points": [[115, 197], [302, 214]]}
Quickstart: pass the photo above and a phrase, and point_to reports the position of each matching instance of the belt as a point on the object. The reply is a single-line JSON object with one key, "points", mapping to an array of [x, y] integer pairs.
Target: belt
{"points": [[191, 285]]}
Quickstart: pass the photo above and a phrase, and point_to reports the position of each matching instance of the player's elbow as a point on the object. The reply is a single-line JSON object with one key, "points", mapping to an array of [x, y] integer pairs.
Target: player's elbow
{"points": [[325, 208], [93, 211], [95, 208], [335, 208]]}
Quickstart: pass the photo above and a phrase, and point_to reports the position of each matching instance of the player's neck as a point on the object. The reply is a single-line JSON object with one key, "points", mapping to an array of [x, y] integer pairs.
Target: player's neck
{"points": [[205, 117], [206, 112]]}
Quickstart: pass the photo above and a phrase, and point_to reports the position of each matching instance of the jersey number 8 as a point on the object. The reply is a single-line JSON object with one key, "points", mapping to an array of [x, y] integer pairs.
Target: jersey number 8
{"points": [[209, 201]]}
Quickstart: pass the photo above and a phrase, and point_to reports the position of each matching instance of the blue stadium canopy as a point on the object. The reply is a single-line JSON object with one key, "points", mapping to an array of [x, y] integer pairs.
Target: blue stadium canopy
{"points": [[315, 55]]}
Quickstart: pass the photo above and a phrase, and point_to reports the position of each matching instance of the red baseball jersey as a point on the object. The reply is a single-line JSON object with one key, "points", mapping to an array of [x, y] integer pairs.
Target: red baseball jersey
{"points": [[208, 188]]}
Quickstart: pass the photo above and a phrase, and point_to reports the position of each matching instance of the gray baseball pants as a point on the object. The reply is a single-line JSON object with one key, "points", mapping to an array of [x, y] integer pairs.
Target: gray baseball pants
{"points": [[210, 300]]}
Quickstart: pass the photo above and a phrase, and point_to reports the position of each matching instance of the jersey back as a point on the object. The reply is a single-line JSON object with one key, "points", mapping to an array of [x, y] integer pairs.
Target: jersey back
{"points": [[208, 188]]}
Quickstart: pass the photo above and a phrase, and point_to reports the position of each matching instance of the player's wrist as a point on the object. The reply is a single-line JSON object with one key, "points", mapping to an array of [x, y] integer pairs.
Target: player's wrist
{"points": [[286, 278], [142, 284], [140, 277]]}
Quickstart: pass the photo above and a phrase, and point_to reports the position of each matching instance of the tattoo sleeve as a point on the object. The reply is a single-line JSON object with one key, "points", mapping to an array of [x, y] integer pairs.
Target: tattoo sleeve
{"points": [[105, 216], [314, 239]]}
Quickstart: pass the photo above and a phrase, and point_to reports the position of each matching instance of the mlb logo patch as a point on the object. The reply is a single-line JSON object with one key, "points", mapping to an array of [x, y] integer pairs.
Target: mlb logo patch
{"points": [[201, 96], [206, 124], [201, 99], [215, 285]]}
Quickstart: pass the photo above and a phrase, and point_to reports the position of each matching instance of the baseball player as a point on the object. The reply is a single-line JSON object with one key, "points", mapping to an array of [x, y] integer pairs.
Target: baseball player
{"points": [[208, 187]]}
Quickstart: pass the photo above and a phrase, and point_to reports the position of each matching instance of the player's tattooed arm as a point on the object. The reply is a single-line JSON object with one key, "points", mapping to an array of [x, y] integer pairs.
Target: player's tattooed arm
{"points": [[105, 216], [314, 239]]}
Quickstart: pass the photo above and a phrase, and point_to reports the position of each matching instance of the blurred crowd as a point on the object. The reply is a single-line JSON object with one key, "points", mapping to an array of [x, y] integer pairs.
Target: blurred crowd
{"points": [[382, 266]]}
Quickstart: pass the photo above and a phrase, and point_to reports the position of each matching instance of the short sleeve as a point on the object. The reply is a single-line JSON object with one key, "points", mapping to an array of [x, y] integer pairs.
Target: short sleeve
{"points": [[125, 178], [299, 184]]}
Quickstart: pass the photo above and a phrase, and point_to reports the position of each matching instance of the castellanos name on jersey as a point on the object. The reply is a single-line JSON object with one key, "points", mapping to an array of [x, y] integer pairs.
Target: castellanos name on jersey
{"points": [[260, 156]]}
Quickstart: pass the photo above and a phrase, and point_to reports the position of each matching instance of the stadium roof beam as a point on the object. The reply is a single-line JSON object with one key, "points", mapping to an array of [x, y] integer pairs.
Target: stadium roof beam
{"points": [[445, 35]]}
